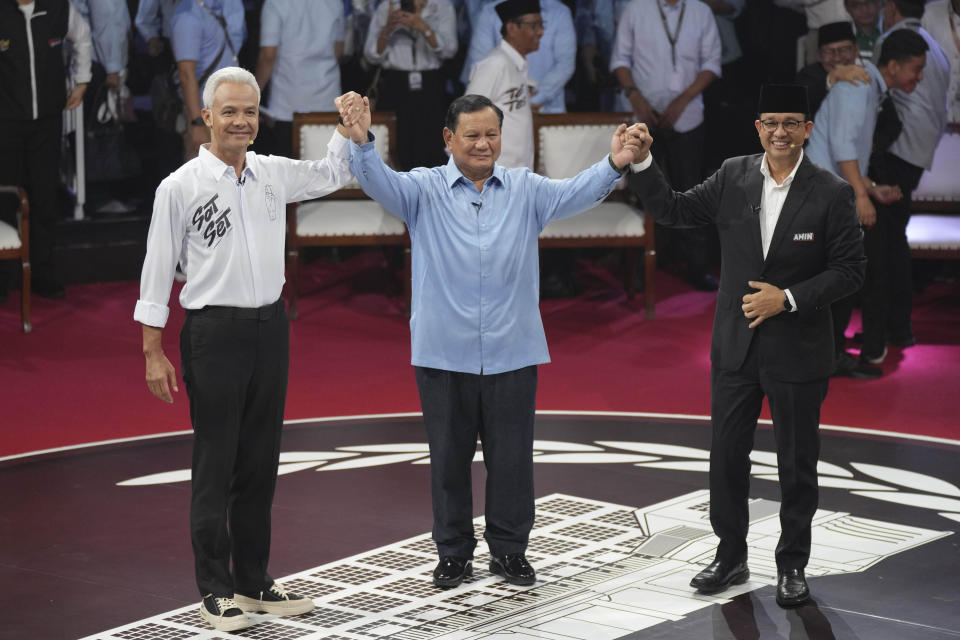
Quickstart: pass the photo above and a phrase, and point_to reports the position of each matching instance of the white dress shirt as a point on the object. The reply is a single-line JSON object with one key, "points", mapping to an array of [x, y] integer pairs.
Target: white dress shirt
{"points": [[228, 234], [940, 20], [771, 204], [409, 50], [642, 47], [502, 77]]}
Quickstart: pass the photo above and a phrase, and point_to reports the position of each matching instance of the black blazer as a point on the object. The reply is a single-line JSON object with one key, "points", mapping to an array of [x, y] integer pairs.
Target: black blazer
{"points": [[816, 252]]}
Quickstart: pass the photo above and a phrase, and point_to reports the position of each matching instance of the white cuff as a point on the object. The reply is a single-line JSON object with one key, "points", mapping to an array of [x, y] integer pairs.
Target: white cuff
{"points": [[793, 303], [637, 167], [151, 314]]}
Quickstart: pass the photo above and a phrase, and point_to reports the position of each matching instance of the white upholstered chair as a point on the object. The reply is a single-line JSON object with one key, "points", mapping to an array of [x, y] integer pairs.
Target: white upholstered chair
{"points": [[934, 228], [567, 143], [344, 218], [15, 245]]}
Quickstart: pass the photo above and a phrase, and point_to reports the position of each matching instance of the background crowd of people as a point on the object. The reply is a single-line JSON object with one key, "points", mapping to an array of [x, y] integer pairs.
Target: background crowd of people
{"points": [[689, 69]]}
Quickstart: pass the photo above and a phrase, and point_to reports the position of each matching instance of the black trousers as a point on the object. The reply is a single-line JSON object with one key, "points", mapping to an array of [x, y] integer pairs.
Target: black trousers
{"points": [[30, 158], [680, 157], [888, 285], [420, 115], [235, 364], [736, 397], [499, 409]]}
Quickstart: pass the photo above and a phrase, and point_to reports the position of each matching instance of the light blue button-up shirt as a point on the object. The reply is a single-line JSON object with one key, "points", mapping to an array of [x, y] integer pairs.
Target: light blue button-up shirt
{"points": [[642, 47], [198, 36], [109, 22], [551, 66], [923, 112], [154, 17], [306, 76], [476, 277], [844, 126]]}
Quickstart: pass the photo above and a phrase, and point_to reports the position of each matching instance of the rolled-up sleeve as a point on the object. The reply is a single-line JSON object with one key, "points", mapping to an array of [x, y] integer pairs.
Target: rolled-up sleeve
{"points": [[164, 245]]}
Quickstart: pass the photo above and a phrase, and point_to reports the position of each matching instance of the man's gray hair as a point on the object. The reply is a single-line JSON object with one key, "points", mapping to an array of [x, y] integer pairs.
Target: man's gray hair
{"points": [[227, 74]]}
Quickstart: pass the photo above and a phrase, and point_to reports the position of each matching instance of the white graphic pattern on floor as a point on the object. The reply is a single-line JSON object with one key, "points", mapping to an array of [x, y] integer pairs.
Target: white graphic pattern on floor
{"points": [[603, 571]]}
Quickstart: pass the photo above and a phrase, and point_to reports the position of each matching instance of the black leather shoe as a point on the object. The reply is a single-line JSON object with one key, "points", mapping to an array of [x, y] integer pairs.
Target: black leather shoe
{"points": [[514, 568], [791, 588], [850, 367], [719, 575], [451, 570]]}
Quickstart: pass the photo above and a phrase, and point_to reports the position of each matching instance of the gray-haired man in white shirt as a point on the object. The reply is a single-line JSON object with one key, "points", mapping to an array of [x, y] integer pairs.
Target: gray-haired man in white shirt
{"points": [[221, 216]]}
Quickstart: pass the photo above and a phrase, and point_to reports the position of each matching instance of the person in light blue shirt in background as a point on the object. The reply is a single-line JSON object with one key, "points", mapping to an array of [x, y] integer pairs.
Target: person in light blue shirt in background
{"points": [[844, 137], [301, 42], [153, 22], [551, 66], [206, 36], [475, 325], [109, 22]]}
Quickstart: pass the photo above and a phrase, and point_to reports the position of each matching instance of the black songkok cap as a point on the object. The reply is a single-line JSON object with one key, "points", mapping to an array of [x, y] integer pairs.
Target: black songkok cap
{"points": [[783, 98], [513, 9], [835, 32]]}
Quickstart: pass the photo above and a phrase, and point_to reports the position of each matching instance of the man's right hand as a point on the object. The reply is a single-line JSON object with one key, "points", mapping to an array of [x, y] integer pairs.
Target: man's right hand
{"points": [[161, 376], [852, 73], [154, 46], [355, 112]]}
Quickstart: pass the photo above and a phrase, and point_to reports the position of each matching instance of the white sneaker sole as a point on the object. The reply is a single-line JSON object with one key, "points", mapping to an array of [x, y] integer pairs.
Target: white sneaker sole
{"points": [[279, 608], [233, 623]]}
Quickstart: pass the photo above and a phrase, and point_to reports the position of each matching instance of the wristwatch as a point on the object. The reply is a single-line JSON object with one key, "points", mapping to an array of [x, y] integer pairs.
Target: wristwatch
{"points": [[198, 122], [628, 90], [428, 33]]}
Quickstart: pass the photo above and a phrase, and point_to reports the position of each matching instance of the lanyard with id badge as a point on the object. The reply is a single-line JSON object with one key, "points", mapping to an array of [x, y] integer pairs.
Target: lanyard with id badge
{"points": [[674, 77]]}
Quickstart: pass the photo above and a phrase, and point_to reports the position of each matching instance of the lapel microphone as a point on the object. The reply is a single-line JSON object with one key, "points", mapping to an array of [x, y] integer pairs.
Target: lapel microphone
{"points": [[241, 181]]}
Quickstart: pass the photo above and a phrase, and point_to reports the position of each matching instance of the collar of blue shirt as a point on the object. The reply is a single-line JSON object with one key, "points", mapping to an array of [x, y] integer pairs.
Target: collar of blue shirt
{"points": [[453, 174]]}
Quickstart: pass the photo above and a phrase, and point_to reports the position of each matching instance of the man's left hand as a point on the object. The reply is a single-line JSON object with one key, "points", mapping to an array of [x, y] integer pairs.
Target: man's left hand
{"points": [[765, 303], [623, 147], [75, 97], [673, 112]]}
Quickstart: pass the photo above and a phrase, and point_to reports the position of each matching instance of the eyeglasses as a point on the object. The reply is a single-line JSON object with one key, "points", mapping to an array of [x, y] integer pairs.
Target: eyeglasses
{"points": [[790, 126], [533, 24], [837, 52]]}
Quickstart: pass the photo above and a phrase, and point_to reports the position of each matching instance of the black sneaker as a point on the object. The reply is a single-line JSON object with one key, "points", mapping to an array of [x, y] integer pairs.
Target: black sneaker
{"points": [[275, 600], [223, 614]]}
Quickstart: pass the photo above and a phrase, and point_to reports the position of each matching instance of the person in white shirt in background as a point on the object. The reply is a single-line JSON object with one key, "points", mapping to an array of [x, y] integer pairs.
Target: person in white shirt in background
{"points": [[410, 39], [221, 216], [502, 76], [941, 19]]}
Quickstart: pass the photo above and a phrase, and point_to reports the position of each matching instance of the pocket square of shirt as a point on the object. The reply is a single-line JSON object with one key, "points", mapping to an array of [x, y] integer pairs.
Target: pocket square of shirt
{"points": [[803, 237]]}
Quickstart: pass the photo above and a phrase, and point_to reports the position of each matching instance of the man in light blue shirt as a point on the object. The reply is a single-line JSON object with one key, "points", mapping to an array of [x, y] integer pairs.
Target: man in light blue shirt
{"points": [[551, 66], [924, 116], [153, 23], [843, 139], [109, 22], [475, 325], [301, 42], [207, 36]]}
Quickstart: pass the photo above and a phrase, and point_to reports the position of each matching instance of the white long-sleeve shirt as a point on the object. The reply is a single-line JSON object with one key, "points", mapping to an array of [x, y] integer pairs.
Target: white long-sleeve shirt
{"points": [[502, 76], [228, 234]]}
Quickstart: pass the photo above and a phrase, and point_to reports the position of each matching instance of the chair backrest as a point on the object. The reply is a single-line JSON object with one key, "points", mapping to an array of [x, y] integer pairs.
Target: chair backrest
{"points": [[939, 188], [312, 131], [568, 143]]}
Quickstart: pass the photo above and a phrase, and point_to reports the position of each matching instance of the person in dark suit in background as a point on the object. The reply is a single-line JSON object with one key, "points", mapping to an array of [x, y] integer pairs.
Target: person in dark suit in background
{"points": [[790, 247]]}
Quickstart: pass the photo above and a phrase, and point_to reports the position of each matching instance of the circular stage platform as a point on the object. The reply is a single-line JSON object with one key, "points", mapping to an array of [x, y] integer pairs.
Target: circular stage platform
{"points": [[96, 540]]}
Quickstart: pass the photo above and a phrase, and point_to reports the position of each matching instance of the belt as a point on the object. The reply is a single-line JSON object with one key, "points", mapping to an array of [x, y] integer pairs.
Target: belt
{"points": [[266, 312]]}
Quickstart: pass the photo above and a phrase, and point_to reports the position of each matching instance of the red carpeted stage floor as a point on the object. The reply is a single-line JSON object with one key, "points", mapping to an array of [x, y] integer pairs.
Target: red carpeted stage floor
{"points": [[78, 377]]}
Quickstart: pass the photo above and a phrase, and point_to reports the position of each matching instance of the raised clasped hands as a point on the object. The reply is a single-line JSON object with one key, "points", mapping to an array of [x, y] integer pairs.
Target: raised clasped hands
{"points": [[634, 141], [355, 113]]}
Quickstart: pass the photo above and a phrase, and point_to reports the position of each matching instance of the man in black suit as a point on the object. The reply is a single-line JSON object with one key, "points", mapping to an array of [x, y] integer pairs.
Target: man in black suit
{"points": [[790, 247]]}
